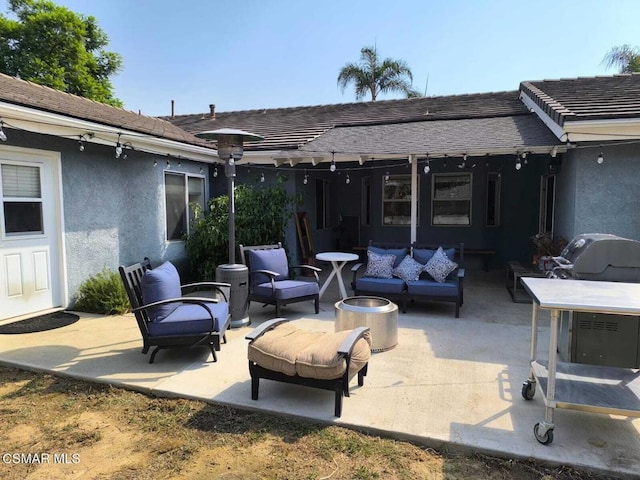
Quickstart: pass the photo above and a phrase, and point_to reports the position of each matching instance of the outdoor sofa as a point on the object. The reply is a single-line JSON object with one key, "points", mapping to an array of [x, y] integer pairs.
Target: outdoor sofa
{"points": [[412, 273]]}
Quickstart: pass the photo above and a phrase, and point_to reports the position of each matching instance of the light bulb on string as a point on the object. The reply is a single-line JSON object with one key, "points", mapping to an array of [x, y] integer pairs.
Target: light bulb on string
{"points": [[3, 136], [427, 168], [600, 159], [333, 166], [348, 180], [386, 176], [262, 178], [305, 180], [215, 171]]}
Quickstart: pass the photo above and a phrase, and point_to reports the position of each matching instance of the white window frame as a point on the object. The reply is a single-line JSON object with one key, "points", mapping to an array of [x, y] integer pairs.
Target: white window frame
{"points": [[435, 177], [187, 206], [20, 199]]}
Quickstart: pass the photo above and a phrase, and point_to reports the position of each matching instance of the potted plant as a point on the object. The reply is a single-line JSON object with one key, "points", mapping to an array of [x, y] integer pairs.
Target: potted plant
{"points": [[547, 247]]}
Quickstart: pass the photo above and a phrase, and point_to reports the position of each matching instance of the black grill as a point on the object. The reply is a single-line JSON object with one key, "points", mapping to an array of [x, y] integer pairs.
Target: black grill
{"points": [[601, 256]]}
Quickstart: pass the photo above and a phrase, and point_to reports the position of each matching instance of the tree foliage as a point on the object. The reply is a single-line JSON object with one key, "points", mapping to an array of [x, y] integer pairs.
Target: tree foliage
{"points": [[624, 57], [261, 216], [373, 76], [53, 46]]}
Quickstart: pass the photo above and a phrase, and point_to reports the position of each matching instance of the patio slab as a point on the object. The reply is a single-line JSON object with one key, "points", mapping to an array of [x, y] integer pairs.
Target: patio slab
{"points": [[449, 384]]}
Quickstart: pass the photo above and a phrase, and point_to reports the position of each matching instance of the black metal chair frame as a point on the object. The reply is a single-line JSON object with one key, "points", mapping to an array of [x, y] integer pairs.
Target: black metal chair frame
{"points": [[273, 277], [338, 385], [132, 278]]}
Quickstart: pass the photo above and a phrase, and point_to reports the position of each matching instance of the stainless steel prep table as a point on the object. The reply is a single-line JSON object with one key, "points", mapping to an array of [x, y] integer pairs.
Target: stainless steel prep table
{"points": [[600, 389]]}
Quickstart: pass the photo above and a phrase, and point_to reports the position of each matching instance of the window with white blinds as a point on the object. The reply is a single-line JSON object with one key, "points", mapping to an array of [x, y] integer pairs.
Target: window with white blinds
{"points": [[21, 181], [21, 200]]}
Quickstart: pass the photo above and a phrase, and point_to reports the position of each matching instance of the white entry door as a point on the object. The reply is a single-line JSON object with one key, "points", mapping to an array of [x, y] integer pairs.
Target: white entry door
{"points": [[30, 267]]}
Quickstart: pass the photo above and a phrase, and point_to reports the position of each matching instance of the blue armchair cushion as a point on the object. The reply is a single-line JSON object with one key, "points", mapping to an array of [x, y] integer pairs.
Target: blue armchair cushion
{"points": [[287, 289], [398, 253], [379, 266], [161, 283], [423, 255], [439, 267], [274, 259], [380, 285], [188, 318], [409, 270]]}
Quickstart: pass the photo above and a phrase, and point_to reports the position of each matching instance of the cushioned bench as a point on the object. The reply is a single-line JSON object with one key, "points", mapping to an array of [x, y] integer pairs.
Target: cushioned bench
{"points": [[420, 273], [282, 352]]}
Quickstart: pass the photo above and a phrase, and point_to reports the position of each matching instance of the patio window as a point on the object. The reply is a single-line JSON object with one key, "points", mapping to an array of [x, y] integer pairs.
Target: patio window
{"points": [[181, 191], [323, 204], [451, 199], [396, 200], [21, 200], [493, 199]]}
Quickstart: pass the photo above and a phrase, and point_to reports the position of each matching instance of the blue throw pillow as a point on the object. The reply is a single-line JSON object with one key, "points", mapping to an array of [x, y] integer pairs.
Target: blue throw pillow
{"points": [[398, 253], [379, 266], [274, 259], [409, 270], [161, 283], [423, 255], [439, 267]]}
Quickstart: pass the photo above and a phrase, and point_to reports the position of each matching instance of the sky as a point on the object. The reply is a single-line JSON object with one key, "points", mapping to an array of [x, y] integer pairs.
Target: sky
{"points": [[257, 54]]}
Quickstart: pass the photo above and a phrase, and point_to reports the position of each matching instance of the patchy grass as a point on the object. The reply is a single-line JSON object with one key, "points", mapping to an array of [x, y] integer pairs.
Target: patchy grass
{"points": [[85, 430]]}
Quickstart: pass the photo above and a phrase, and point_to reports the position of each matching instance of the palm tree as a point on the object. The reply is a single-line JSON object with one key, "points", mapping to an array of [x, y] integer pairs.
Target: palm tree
{"points": [[625, 57], [371, 76]]}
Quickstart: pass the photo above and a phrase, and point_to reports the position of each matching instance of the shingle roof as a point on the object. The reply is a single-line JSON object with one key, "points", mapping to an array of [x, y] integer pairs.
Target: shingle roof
{"points": [[27, 94], [470, 135], [289, 128], [588, 98]]}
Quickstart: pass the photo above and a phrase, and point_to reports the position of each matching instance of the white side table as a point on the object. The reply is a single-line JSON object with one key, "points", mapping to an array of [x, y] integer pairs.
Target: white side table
{"points": [[338, 260]]}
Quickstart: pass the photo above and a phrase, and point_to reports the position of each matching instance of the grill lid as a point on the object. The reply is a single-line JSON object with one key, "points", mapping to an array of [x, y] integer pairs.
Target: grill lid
{"points": [[602, 256]]}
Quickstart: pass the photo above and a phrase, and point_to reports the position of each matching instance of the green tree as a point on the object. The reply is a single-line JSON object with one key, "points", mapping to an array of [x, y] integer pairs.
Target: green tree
{"points": [[625, 57], [374, 76], [53, 46]]}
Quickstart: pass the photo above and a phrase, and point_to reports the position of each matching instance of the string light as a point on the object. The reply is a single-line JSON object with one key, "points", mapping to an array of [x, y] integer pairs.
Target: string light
{"points": [[262, 178], [155, 163], [168, 164], [333, 162], [348, 180], [3, 136], [305, 180], [518, 164], [215, 171], [81, 143], [386, 176], [600, 157]]}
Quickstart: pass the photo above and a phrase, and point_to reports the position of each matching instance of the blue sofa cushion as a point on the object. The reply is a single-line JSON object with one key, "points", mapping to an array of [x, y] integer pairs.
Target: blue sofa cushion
{"points": [[379, 265], [287, 289], [380, 285], [189, 318], [409, 270], [274, 259], [423, 255], [440, 266], [433, 288], [398, 253], [161, 283]]}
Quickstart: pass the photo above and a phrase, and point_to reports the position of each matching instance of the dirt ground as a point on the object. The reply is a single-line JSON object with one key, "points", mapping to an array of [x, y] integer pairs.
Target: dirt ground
{"points": [[60, 428]]}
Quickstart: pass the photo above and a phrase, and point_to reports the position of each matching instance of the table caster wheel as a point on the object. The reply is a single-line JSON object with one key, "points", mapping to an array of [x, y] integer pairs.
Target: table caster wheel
{"points": [[528, 390], [545, 439]]}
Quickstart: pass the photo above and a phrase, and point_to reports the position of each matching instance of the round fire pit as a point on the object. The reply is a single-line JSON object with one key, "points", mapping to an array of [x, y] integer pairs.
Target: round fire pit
{"points": [[379, 314]]}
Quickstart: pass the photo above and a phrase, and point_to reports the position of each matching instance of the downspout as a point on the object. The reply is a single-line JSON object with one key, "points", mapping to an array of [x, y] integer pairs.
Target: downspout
{"points": [[414, 197]]}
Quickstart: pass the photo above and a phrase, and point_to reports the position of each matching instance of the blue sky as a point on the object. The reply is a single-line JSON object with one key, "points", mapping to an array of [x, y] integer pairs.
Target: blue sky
{"points": [[253, 54]]}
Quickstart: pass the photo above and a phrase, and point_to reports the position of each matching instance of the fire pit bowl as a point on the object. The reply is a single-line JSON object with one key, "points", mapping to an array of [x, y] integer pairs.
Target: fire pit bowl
{"points": [[379, 314]]}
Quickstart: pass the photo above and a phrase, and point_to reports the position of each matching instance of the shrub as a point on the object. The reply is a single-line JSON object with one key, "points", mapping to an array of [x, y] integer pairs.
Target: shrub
{"points": [[261, 216], [103, 293]]}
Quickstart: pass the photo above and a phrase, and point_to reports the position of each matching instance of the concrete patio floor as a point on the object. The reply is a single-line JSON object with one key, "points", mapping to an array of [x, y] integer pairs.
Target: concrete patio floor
{"points": [[449, 384]]}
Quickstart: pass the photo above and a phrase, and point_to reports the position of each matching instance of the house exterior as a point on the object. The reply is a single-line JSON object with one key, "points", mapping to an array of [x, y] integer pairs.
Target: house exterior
{"points": [[85, 186], [501, 166]]}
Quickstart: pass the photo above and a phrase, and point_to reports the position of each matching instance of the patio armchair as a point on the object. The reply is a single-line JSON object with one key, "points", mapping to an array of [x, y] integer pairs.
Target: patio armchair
{"points": [[279, 351], [170, 317], [273, 282]]}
